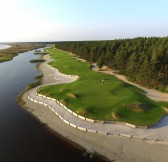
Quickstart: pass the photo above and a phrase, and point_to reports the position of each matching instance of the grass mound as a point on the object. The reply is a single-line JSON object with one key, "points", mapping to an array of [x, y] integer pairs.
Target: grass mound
{"points": [[71, 95], [165, 110], [82, 112], [64, 101], [137, 107], [116, 116]]}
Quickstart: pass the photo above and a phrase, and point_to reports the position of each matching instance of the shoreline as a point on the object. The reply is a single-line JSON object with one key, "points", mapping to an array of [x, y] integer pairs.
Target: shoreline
{"points": [[90, 141], [62, 137], [4, 46], [8, 54]]}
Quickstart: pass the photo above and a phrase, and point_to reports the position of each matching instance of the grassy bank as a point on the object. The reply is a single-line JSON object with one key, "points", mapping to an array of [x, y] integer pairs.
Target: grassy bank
{"points": [[38, 79], [36, 61], [91, 97], [37, 82], [38, 52], [15, 49]]}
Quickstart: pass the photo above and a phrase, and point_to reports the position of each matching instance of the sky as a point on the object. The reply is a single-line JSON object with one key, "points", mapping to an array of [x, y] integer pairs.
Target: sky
{"points": [[70, 20]]}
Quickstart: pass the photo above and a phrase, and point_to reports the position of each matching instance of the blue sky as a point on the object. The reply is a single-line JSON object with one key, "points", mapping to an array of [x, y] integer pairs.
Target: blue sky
{"points": [[58, 20]]}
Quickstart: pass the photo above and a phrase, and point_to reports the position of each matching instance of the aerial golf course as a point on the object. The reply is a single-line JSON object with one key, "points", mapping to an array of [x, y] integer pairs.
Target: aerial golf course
{"points": [[111, 100]]}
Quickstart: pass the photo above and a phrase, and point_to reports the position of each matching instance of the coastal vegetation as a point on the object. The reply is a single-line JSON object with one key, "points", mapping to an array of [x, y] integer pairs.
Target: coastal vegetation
{"points": [[15, 49], [38, 80], [39, 52], [37, 60], [142, 60], [111, 99]]}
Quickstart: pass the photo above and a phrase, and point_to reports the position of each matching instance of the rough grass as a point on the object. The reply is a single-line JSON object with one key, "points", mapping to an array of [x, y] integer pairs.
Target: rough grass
{"points": [[116, 116], [96, 100], [38, 80], [36, 60], [137, 107]]}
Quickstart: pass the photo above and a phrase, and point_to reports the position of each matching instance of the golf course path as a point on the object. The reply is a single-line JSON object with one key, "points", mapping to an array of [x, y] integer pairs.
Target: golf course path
{"points": [[53, 76]]}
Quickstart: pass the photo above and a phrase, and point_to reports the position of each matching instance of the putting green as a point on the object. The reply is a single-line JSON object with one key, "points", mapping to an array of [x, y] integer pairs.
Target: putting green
{"points": [[88, 96]]}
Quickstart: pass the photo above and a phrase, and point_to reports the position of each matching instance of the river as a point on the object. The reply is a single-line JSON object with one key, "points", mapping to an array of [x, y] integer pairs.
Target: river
{"points": [[23, 138]]}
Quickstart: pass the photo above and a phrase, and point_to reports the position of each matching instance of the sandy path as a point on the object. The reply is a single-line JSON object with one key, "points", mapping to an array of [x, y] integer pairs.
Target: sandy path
{"points": [[113, 147]]}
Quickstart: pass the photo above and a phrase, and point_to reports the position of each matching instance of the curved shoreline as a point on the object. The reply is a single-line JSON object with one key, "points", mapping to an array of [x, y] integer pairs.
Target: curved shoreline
{"points": [[84, 139], [4, 46]]}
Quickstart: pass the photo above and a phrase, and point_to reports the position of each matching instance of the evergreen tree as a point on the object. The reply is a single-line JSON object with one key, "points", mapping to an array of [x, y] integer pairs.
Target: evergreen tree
{"points": [[143, 60], [100, 62]]}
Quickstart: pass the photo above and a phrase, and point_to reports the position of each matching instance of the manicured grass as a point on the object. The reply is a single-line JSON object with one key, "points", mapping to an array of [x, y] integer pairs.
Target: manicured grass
{"points": [[89, 97]]}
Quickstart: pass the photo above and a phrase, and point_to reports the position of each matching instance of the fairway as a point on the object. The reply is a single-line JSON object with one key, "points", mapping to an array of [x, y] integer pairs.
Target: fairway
{"points": [[88, 96]]}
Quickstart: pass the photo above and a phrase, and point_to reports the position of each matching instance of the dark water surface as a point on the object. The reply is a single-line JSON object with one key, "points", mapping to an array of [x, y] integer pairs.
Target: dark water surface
{"points": [[22, 138]]}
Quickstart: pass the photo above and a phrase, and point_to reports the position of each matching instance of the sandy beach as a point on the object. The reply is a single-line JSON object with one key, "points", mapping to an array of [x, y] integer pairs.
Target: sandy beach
{"points": [[115, 148]]}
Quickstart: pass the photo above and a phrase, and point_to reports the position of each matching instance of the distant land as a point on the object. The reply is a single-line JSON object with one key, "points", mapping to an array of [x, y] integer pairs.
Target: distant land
{"points": [[7, 52], [4, 46]]}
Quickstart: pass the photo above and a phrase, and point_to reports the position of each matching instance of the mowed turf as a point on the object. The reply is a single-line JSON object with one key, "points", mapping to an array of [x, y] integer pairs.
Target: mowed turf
{"points": [[90, 98]]}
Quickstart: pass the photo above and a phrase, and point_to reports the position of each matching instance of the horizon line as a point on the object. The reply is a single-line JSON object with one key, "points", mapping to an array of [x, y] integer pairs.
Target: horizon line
{"points": [[84, 40]]}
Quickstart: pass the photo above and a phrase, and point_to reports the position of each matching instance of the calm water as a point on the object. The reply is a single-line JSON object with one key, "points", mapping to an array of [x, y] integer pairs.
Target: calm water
{"points": [[22, 138], [4, 46]]}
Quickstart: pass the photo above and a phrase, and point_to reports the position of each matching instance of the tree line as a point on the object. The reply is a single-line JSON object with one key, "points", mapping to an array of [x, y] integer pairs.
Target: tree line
{"points": [[142, 60]]}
